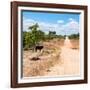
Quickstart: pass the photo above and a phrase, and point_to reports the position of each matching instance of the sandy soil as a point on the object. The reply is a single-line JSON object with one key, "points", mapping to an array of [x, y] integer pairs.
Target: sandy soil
{"points": [[66, 63], [69, 62]]}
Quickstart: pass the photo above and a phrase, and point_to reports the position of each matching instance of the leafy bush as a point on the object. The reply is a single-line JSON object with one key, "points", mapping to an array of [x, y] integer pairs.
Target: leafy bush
{"points": [[34, 36], [74, 36]]}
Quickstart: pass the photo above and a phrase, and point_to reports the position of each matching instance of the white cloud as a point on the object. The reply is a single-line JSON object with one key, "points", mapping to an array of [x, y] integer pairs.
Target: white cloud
{"points": [[68, 28], [43, 25], [60, 21], [27, 23], [72, 26], [71, 19]]}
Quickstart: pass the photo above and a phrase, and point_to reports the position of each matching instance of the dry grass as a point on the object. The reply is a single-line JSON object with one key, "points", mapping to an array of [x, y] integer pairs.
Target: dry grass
{"points": [[38, 67], [48, 58], [75, 43]]}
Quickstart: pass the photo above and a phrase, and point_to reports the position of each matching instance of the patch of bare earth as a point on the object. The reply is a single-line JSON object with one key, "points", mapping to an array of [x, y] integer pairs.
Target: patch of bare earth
{"points": [[69, 61], [75, 44], [47, 59], [58, 59], [70, 64]]}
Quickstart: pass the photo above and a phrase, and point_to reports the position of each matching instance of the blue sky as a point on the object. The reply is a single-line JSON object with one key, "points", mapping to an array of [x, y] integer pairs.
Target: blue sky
{"points": [[62, 23]]}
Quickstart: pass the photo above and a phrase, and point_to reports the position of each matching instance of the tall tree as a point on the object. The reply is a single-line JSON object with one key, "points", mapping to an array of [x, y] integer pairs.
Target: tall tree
{"points": [[36, 34]]}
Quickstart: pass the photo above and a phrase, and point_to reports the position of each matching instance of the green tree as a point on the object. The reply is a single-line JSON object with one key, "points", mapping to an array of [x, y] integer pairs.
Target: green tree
{"points": [[74, 36], [36, 34], [52, 34], [26, 40]]}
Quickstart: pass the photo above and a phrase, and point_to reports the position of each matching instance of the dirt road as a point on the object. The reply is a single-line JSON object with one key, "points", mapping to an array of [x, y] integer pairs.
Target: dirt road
{"points": [[69, 62]]}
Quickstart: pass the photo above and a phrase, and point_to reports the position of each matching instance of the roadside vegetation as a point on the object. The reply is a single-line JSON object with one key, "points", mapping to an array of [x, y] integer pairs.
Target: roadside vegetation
{"points": [[50, 54], [34, 36]]}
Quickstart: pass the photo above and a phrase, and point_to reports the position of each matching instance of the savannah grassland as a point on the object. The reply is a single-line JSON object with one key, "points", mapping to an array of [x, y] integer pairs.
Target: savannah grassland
{"points": [[55, 60], [60, 54]]}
